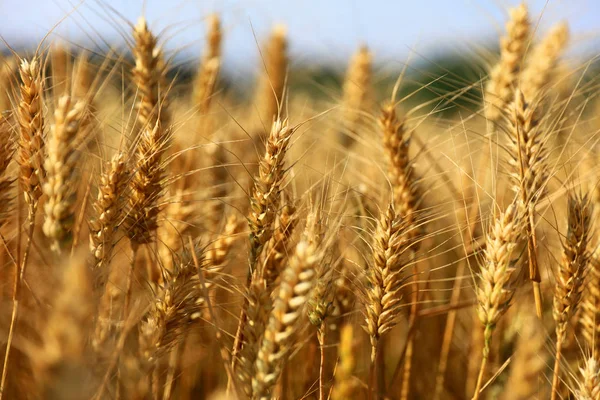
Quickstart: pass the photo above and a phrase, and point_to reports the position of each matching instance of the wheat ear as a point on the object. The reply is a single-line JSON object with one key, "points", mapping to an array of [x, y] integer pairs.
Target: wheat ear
{"points": [[499, 90], [31, 132], [30, 156], [528, 155], [385, 276], [589, 385], [496, 287], [542, 61], [210, 64], [271, 83], [61, 173], [149, 78], [296, 282], [356, 94], [108, 213], [570, 275], [589, 317], [265, 198]]}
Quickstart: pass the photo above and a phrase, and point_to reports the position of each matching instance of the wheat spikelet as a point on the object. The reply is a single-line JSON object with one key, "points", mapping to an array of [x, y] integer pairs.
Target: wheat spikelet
{"points": [[148, 76], [542, 61], [271, 83], [356, 94], [589, 385], [571, 272], [384, 278], [60, 363], [574, 262], [296, 283], [60, 187], [108, 212], [265, 198], [345, 387], [277, 248], [499, 89], [528, 362], [31, 132], [589, 317]]}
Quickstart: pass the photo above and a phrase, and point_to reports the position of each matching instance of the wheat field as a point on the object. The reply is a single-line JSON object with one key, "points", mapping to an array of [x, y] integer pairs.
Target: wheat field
{"points": [[166, 237]]}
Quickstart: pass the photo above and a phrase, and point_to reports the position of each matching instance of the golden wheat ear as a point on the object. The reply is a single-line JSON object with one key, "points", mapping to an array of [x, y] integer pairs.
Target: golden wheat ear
{"points": [[589, 317], [30, 114], [356, 98], [61, 173], [528, 162], [542, 61], [149, 79], [271, 83], [108, 208], [385, 276], [499, 90], [570, 275], [296, 283], [496, 284], [210, 65], [589, 383]]}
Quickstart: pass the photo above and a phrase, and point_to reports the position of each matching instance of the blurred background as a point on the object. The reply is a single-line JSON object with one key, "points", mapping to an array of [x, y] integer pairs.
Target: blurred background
{"points": [[326, 30], [456, 38]]}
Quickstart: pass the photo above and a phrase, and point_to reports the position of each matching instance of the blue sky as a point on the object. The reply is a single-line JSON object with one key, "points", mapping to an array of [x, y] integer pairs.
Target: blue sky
{"points": [[329, 29]]}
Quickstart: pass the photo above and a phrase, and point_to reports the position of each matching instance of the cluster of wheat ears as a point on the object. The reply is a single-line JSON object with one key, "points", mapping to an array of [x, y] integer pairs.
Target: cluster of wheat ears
{"points": [[165, 239]]}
